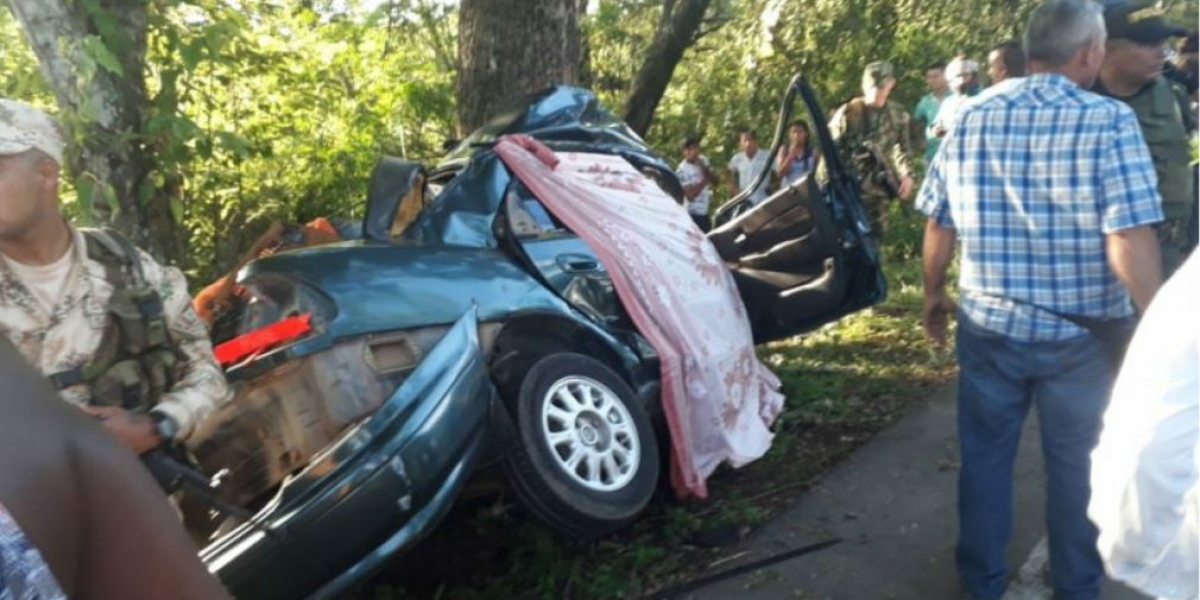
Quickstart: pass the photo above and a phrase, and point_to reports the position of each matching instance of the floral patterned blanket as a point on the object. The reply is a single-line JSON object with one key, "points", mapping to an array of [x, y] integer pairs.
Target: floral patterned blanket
{"points": [[719, 400]]}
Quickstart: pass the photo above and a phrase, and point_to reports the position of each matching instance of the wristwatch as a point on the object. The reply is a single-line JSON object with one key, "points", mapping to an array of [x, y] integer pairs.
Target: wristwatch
{"points": [[164, 425]]}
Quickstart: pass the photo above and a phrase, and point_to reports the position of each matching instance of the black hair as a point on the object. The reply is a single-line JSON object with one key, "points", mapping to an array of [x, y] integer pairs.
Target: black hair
{"points": [[939, 65], [1013, 57]]}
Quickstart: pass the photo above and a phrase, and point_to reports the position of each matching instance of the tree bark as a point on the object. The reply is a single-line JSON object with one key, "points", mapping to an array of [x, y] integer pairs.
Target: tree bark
{"points": [[676, 33], [102, 111], [509, 49]]}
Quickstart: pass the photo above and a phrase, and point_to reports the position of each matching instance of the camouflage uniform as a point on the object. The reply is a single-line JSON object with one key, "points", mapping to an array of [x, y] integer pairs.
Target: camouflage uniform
{"points": [[124, 329], [877, 144], [69, 336]]}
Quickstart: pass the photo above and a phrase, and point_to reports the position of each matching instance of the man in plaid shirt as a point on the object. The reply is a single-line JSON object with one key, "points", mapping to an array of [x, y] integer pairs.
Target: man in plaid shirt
{"points": [[1050, 192]]}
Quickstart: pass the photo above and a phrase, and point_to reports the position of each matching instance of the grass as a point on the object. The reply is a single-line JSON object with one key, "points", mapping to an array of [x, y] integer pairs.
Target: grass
{"points": [[843, 383]]}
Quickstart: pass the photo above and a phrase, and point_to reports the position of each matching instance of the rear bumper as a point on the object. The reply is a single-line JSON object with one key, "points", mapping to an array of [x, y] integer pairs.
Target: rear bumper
{"points": [[379, 489]]}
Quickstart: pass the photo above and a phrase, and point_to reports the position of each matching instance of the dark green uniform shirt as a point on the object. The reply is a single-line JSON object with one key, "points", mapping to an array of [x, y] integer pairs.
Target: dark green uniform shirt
{"points": [[1165, 125]]}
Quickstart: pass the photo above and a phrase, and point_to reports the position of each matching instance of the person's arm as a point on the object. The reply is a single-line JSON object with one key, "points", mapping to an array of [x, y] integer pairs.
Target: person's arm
{"points": [[837, 123], [936, 252], [201, 387], [1134, 256], [937, 125], [91, 509], [783, 159], [732, 175], [1130, 206], [710, 177], [133, 544], [902, 151]]}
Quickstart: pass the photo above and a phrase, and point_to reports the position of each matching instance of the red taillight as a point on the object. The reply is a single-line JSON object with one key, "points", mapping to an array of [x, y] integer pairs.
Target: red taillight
{"points": [[263, 338]]}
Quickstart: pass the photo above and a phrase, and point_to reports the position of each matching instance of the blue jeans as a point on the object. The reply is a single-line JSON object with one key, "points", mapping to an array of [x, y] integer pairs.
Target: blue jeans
{"points": [[999, 380]]}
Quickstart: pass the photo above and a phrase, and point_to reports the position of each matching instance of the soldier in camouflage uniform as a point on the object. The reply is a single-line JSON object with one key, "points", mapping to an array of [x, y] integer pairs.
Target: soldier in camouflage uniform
{"points": [[113, 330], [873, 136], [1131, 73]]}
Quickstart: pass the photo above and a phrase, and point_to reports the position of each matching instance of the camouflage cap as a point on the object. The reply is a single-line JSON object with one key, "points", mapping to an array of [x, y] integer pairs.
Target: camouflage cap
{"points": [[876, 73], [23, 127]]}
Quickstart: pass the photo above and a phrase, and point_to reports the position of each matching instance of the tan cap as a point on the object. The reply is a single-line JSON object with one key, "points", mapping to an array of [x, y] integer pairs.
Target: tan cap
{"points": [[23, 127], [876, 73]]}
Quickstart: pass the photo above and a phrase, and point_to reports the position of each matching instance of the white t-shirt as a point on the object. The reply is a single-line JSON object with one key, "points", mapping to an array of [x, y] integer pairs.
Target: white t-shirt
{"points": [[747, 168], [46, 282], [1145, 498], [690, 174]]}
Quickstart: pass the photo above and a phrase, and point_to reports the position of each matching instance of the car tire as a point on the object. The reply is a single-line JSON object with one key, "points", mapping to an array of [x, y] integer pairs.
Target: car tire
{"points": [[573, 409]]}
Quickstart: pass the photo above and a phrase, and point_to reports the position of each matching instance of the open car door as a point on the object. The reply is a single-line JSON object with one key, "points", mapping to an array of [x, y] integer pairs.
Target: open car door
{"points": [[802, 257]]}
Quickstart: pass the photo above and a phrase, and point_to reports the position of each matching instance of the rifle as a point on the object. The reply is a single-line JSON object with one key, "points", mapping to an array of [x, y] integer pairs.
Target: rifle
{"points": [[879, 169], [173, 474], [868, 153]]}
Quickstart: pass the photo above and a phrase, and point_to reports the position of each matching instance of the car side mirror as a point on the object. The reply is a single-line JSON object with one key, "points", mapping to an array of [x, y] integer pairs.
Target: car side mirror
{"points": [[394, 199]]}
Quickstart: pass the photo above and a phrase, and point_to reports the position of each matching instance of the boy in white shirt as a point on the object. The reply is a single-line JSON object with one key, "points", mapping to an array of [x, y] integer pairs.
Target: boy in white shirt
{"points": [[696, 176], [746, 165]]}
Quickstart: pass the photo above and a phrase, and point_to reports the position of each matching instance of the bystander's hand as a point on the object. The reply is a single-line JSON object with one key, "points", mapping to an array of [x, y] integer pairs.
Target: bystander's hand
{"points": [[906, 186], [134, 431], [935, 316]]}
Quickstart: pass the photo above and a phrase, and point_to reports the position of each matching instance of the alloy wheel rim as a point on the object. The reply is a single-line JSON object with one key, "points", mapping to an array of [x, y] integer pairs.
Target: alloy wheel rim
{"points": [[590, 433]]}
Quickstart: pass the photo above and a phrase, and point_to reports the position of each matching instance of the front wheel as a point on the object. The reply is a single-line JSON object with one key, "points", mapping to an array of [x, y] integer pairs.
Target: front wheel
{"points": [[587, 461]]}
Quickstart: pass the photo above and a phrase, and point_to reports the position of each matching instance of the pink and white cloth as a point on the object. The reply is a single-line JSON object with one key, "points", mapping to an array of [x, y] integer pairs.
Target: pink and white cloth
{"points": [[719, 400]]}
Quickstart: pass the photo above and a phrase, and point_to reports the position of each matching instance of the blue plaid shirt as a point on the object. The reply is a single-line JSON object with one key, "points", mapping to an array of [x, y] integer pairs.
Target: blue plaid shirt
{"points": [[1032, 178]]}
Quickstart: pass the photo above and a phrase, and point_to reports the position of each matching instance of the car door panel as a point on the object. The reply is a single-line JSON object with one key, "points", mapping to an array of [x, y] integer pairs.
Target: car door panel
{"points": [[801, 258], [787, 261], [564, 261]]}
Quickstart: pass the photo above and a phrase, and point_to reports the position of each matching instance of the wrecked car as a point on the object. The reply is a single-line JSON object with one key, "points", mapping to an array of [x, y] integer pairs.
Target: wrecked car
{"points": [[467, 327]]}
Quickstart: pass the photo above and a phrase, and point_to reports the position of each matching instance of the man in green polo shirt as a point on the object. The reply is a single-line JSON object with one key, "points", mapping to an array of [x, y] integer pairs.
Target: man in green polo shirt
{"points": [[1132, 73], [927, 109]]}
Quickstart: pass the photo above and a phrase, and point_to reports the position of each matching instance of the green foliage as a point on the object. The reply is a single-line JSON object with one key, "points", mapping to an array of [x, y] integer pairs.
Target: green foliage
{"points": [[20, 77], [736, 74], [269, 113], [261, 110]]}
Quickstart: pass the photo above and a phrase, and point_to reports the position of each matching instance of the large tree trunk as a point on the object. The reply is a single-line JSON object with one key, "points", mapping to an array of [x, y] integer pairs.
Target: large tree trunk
{"points": [[511, 48], [95, 61], [677, 31]]}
